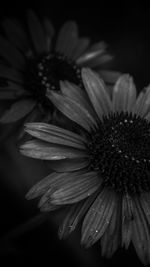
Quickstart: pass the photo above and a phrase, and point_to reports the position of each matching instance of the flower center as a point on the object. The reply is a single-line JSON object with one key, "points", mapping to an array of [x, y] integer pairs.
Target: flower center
{"points": [[47, 72], [119, 149]]}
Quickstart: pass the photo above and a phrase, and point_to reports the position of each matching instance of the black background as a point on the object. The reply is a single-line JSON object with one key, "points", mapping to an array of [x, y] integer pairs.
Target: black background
{"points": [[127, 31]]}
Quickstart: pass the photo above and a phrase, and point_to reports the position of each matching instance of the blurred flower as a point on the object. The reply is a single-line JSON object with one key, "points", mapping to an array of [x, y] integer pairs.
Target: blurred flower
{"points": [[33, 62], [102, 173]]}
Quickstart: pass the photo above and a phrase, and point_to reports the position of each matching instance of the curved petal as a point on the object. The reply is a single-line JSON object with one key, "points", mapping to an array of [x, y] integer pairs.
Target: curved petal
{"points": [[54, 134], [74, 215], [67, 38], [76, 94], [124, 94], [18, 110], [37, 32], [73, 110], [127, 217], [97, 93], [10, 74], [81, 47], [42, 150], [78, 187], [142, 105], [98, 218], [140, 234], [68, 165], [15, 33], [111, 239], [11, 54], [49, 31]]}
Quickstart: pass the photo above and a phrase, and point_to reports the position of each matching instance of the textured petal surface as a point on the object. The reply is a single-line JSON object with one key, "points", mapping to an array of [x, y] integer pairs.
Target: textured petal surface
{"points": [[78, 187], [73, 110], [68, 165], [74, 215], [98, 218], [41, 150], [54, 134], [140, 233], [97, 93], [124, 94]]}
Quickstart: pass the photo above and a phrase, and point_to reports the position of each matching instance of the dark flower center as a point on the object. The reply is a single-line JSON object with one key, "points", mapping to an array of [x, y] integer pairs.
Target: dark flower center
{"points": [[47, 72], [119, 149]]}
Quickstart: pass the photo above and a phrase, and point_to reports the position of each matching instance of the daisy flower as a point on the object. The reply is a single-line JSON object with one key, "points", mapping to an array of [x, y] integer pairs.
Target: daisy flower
{"points": [[34, 61], [102, 173]]}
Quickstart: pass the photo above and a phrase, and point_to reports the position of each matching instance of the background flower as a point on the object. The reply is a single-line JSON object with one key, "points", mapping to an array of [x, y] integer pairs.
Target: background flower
{"points": [[35, 60], [102, 172]]}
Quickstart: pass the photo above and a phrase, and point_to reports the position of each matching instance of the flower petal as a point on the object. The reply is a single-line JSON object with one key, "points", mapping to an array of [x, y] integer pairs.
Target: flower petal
{"points": [[50, 181], [124, 94], [140, 234], [142, 105], [78, 187], [93, 52], [79, 96], [54, 134], [10, 74], [109, 76], [68, 165], [127, 217], [98, 218], [74, 215], [80, 48], [37, 32], [11, 54], [97, 93], [111, 239], [42, 150], [67, 38], [73, 110], [49, 31], [18, 110], [15, 33]]}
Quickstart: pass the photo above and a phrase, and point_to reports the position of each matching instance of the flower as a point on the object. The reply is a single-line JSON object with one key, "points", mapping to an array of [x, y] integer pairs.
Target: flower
{"points": [[33, 63], [101, 173]]}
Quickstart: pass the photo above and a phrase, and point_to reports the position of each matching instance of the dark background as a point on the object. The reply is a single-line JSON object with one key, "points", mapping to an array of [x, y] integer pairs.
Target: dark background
{"points": [[127, 31]]}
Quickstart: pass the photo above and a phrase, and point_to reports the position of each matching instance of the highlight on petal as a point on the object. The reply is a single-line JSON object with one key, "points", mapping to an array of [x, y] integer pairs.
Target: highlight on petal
{"points": [[81, 47], [44, 151], [93, 52], [54, 134], [98, 217], [78, 187], [73, 110], [97, 93], [124, 94]]}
